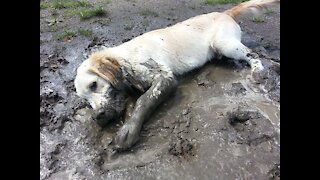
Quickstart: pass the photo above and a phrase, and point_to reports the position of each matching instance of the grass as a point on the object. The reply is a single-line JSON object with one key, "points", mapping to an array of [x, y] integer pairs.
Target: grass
{"points": [[258, 19], [85, 32], [66, 34], [107, 1], [53, 28], [83, 8], [53, 12], [89, 13], [214, 2], [147, 12], [269, 11], [103, 22], [44, 5], [61, 4]]}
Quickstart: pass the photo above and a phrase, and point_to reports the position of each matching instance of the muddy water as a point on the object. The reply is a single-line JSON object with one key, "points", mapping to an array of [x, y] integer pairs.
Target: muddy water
{"points": [[188, 137], [196, 114]]}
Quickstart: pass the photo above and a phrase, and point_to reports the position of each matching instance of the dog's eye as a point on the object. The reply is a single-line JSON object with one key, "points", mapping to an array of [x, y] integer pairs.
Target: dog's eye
{"points": [[93, 86]]}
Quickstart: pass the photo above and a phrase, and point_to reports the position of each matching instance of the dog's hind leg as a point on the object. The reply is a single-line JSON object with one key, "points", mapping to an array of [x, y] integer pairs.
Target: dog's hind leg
{"points": [[233, 48], [236, 50], [128, 134]]}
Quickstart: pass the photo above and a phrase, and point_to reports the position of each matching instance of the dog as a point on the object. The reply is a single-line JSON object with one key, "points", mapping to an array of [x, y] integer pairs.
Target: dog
{"points": [[147, 66]]}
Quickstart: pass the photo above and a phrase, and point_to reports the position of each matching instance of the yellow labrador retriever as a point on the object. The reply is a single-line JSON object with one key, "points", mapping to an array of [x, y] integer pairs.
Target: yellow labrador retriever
{"points": [[149, 63]]}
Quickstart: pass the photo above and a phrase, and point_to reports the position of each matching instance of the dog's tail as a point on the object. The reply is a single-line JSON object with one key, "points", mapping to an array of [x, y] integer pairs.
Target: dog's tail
{"points": [[252, 6]]}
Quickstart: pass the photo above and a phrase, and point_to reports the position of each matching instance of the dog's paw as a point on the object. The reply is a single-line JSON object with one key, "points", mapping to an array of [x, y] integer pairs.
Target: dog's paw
{"points": [[127, 136], [259, 75]]}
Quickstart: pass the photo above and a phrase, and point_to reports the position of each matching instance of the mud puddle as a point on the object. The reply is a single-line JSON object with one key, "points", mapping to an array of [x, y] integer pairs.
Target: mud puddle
{"points": [[183, 131], [217, 125]]}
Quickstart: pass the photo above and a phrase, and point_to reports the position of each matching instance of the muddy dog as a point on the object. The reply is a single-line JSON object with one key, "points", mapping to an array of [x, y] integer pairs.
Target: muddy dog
{"points": [[149, 64]]}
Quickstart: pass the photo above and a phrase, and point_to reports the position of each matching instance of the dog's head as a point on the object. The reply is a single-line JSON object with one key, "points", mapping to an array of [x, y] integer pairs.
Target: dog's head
{"points": [[104, 83]]}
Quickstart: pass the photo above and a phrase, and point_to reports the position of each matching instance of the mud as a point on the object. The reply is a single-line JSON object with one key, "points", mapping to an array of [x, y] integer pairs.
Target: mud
{"points": [[218, 124]]}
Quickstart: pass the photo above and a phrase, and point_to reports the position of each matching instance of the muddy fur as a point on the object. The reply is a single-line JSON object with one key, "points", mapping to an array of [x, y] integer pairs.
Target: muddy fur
{"points": [[115, 108], [156, 58]]}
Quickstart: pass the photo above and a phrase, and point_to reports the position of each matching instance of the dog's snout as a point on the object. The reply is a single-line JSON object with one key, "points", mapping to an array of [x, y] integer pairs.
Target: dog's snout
{"points": [[102, 117], [100, 114]]}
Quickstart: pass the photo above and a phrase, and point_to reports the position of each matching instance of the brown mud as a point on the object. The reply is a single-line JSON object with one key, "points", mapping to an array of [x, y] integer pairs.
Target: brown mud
{"points": [[217, 125]]}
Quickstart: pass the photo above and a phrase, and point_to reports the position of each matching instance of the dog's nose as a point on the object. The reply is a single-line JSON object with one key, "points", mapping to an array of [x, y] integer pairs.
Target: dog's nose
{"points": [[102, 117]]}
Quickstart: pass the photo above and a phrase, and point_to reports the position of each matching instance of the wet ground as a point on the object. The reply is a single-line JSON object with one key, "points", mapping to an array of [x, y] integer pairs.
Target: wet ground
{"points": [[217, 125]]}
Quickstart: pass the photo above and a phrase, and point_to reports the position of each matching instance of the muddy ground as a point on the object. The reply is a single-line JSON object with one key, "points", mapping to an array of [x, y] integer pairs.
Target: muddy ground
{"points": [[217, 125]]}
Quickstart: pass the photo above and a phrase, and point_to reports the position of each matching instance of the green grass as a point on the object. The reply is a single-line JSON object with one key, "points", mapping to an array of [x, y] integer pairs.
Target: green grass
{"points": [[84, 4], [44, 5], [89, 13], [85, 32], [147, 12], [104, 2], [86, 13], [103, 22], [66, 34], [107, 1], [61, 4], [258, 19], [214, 2], [269, 11], [53, 12], [52, 28], [83, 8]]}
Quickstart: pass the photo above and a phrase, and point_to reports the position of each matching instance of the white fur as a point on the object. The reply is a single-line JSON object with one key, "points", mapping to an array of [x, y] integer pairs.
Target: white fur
{"points": [[177, 50], [83, 79], [186, 45], [149, 63]]}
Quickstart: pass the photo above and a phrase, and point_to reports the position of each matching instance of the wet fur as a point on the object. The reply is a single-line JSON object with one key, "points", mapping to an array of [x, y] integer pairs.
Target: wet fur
{"points": [[149, 63]]}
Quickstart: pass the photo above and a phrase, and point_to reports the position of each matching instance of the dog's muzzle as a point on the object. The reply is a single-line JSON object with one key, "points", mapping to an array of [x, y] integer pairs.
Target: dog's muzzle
{"points": [[103, 116]]}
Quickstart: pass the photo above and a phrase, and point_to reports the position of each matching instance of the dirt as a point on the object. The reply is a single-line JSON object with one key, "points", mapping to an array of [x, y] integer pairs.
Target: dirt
{"points": [[217, 125]]}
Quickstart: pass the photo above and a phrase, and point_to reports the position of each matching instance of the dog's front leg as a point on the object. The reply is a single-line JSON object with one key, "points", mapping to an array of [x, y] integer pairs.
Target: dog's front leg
{"points": [[128, 134]]}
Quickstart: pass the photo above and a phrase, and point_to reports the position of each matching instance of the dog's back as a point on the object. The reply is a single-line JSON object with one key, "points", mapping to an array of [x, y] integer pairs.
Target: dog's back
{"points": [[188, 44]]}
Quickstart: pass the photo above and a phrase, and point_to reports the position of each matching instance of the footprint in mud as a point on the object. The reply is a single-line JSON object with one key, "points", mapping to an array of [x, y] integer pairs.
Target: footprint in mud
{"points": [[181, 148], [52, 62], [241, 116], [48, 101], [237, 89], [202, 80], [249, 127]]}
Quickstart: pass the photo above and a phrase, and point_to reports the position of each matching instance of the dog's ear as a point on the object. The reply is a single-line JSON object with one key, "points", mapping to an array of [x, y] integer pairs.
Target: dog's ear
{"points": [[109, 69]]}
